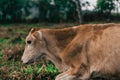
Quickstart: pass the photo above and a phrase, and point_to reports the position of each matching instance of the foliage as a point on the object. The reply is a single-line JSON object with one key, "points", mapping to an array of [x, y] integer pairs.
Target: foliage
{"points": [[53, 10], [56, 11], [105, 6], [59, 10], [11, 9]]}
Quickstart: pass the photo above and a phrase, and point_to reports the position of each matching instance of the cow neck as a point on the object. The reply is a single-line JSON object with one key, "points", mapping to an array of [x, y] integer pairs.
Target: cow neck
{"points": [[63, 36], [52, 53], [56, 40]]}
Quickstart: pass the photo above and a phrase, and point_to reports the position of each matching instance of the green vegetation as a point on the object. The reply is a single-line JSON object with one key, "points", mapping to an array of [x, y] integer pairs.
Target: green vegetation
{"points": [[0, 54], [12, 42], [56, 11]]}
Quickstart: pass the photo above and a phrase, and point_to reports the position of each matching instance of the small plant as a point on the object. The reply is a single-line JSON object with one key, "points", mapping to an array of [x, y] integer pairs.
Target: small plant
{"points": [[51, 68]]}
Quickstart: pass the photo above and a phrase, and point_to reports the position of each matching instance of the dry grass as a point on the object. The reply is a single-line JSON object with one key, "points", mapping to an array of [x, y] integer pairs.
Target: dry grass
{"points": [[11, 49]]}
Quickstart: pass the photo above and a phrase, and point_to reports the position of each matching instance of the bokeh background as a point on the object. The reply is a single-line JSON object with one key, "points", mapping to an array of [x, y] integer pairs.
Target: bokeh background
{"points": [[55, 11]]}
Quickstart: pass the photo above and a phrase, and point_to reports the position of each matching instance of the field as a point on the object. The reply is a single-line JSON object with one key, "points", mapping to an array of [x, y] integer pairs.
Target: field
{"points": [[12, 42]]}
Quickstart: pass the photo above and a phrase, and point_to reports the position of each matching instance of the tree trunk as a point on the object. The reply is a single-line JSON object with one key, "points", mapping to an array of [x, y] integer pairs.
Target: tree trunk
{"points": [[79, 11]]}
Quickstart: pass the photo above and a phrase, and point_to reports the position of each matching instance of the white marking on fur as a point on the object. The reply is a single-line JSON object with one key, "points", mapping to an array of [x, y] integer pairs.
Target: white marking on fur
{"points": [[40, 34], [30, 47]]}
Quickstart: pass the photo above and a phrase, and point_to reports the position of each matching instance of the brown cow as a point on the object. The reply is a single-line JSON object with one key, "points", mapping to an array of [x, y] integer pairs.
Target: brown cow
{"points": [[78, 51]]}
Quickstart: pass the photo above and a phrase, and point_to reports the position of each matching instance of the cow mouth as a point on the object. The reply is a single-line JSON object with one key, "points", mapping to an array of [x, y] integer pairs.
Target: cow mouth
{"points": [[37, 59], [30, 61]]}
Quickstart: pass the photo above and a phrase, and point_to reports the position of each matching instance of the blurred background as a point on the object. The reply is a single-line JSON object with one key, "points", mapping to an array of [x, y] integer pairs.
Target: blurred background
{"points": [[58, 11], [17, 17]]}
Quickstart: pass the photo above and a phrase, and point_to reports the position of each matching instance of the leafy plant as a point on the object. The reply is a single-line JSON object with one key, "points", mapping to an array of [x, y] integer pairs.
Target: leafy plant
{"points": [[11, 9], [105, 6]]}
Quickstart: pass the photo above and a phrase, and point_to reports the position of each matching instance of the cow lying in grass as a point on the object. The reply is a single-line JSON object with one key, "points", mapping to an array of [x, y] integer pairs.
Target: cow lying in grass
{"points": [[78, 51]]}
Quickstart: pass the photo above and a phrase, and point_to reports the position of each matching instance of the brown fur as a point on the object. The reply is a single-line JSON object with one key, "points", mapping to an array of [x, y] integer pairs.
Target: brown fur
{"points": [[79, 51], [63, 36]]}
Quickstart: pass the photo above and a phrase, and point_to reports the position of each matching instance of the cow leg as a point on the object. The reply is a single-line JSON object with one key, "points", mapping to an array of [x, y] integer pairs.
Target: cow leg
{"points": [[66, 76], [73, 74]]}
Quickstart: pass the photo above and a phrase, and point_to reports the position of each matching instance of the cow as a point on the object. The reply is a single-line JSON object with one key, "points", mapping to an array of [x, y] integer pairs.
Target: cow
{"points": [[77, 51]]}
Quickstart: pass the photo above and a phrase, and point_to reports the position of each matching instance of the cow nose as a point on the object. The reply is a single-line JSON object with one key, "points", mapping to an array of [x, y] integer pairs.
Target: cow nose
{"points": [[23, 60]]}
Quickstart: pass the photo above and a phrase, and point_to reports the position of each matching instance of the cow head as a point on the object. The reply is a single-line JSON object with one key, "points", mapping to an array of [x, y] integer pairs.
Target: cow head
{"points": [[35, 46]]}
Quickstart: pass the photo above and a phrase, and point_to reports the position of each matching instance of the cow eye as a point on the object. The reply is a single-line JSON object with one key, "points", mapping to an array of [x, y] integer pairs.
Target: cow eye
{"points": [[29, 42]]}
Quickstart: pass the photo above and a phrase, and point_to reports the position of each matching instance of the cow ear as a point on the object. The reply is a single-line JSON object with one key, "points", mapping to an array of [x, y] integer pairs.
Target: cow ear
{"points": [[38, 35], [34, 29]]}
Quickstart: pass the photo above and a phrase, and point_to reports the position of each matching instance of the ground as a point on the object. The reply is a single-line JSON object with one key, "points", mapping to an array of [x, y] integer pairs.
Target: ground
{"points": [[12, 42]]}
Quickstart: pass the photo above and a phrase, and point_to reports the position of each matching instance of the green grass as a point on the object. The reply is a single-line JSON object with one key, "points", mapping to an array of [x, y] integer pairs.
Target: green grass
{"points": [[28, 72], [14, 69], [3, 41], [1, 55]]}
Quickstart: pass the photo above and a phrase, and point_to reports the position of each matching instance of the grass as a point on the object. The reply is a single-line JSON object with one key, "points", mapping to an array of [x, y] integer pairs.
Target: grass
{"points": [[1, 54], [12, 42], [11, 68]]}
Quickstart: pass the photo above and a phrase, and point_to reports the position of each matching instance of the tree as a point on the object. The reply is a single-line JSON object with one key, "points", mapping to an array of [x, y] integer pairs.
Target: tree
{"points": [[57, 10], [11, 9], [79, 10], [117, 6], [105, 6]]}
